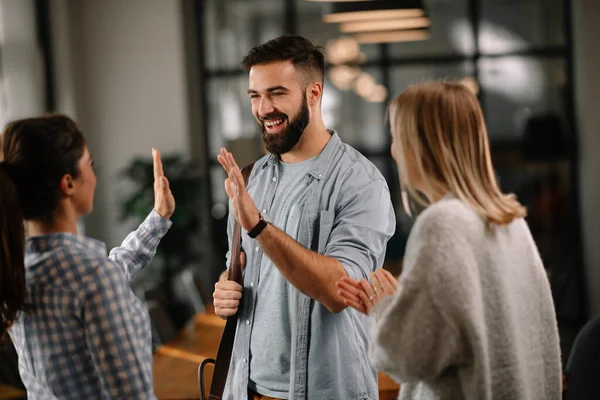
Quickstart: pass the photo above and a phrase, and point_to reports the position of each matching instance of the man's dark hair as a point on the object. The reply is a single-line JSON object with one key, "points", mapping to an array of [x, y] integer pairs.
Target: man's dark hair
{"points": [[301, 52]]}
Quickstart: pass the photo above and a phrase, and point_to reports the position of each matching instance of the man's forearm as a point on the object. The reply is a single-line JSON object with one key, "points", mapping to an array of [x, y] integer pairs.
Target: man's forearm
{"points": [[313, 274]]}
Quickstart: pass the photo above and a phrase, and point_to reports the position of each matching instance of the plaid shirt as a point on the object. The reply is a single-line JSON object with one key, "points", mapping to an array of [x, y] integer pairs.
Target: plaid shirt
{"points": [[88, 337]]}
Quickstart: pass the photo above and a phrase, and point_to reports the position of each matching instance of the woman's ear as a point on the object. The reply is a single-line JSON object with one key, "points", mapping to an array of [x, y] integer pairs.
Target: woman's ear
{"points": [[67, 185]]}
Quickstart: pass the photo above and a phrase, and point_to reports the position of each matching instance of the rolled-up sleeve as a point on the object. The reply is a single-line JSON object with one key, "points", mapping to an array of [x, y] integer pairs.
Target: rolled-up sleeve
{"points": [[362, 226], [139, 247]]}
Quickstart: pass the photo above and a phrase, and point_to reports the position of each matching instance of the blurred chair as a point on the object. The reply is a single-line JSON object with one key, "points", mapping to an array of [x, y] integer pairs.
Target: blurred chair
{"points": [[583, 367], [191, 289]]}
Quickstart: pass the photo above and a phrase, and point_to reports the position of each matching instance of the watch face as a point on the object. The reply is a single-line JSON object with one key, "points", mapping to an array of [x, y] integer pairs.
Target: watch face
{"points": [[265, 218]]}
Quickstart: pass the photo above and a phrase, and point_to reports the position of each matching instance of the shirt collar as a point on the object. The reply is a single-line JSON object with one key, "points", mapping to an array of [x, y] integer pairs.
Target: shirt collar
{"points": [[322, 162]]}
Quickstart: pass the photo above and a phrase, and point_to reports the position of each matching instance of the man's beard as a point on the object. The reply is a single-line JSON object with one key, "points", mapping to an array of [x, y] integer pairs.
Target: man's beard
{"points": [[282, 142]]}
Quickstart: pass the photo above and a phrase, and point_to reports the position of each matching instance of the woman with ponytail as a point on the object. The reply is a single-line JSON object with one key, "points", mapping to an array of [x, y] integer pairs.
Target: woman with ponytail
{"points": [[12, 252], [79, 331]]}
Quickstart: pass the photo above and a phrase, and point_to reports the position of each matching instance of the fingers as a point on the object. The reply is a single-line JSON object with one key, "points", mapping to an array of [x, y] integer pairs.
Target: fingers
{"points": [[349, 287], [236, 177], [375, 282], [158, 167], [347, 295], [366, 298], [218, 303], [163, 185], [227, 161], [223, 295], [226, 298], [234, 184], [353, 302], [384, 285], [227, 289], [368, 289], [223, 161], [233, 164], [225, 312], [351, 282], [359, 295], [391, 279], [228, 188]]}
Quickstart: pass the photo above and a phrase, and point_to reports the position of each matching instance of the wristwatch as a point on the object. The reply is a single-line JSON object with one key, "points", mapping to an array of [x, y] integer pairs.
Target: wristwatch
{"points": [[262, 224]]}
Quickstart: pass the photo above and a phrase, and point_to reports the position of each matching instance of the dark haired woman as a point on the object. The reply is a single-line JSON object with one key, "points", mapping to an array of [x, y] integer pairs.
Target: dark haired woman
{"points": [[78, 328]]}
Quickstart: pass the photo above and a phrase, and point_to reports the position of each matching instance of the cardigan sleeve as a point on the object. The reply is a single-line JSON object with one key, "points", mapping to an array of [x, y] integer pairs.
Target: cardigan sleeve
{"points": [[415, 335]]}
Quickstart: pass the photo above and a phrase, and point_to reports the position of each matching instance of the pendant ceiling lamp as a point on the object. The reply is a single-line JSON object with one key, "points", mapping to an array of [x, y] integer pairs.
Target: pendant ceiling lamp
{"points": [[351, 11], [408, 35], [385, 25]]}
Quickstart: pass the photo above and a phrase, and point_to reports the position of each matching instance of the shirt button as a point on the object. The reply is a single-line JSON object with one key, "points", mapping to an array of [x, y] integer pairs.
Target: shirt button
{"points": [[320, 175], [256, 248], [245, 361], [274, 179], [247, 322], [251, 284], [264, 211]]}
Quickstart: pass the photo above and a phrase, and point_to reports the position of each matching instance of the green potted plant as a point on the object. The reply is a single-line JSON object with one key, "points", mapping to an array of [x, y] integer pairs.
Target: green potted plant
{"points": [[179, 248]]}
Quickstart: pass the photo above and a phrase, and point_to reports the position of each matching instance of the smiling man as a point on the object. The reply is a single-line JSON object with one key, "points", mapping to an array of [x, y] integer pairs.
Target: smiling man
{"points": [[315, 210]]}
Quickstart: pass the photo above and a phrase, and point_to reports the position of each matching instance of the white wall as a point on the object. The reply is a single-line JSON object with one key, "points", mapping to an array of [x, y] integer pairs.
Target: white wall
{"points": [[22, 90], [586, 32], [120, 71]]}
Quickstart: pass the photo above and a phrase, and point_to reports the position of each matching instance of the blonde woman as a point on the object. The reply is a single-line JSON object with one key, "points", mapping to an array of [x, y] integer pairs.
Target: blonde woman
{"points": [[471, 316]]}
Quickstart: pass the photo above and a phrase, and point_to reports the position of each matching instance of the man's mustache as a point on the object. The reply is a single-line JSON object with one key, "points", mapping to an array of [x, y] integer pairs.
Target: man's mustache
{"points": [[272, 116]]}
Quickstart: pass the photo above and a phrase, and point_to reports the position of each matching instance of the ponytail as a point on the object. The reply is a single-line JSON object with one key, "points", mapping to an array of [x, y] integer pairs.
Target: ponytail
{"points": [[13, 288]]}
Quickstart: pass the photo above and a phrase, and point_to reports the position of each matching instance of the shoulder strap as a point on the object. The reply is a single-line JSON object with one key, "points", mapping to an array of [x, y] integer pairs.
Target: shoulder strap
{"points": [[223, 360]]}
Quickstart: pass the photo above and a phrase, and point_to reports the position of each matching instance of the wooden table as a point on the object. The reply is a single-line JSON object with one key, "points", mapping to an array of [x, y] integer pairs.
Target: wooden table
{"points": [[176, 363], [9, 392]]}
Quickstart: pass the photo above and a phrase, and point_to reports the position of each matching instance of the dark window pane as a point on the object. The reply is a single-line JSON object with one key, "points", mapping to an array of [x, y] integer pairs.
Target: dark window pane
{"points": [[404, 76], [358, 120], [311, 26], [520, 24], [229, 111], [232, 27], [545, 188], [450, 32], [519, 90]]}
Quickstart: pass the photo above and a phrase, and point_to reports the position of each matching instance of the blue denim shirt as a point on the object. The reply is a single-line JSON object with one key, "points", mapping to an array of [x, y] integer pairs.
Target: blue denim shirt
{"points": [[347, 215]]}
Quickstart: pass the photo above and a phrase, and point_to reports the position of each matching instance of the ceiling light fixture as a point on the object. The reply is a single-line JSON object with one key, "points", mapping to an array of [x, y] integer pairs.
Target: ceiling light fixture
{"points": [[412, 35], [339, 12], [385, 25]]}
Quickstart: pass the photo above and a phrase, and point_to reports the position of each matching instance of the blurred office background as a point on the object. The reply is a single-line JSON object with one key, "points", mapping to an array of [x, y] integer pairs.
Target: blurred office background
{"points": [[138, 74]]}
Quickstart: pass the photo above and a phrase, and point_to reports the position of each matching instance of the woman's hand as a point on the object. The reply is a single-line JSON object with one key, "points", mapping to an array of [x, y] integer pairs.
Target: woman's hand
{"points": [[164, 202], [362, 295]]}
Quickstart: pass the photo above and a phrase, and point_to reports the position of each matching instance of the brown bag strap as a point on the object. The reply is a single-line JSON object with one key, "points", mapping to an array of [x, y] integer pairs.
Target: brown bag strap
{"points": [[223, 360]]}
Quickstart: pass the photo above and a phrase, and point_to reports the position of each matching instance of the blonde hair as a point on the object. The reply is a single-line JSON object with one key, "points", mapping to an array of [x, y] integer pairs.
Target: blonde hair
{"points": [[439, 128]]}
